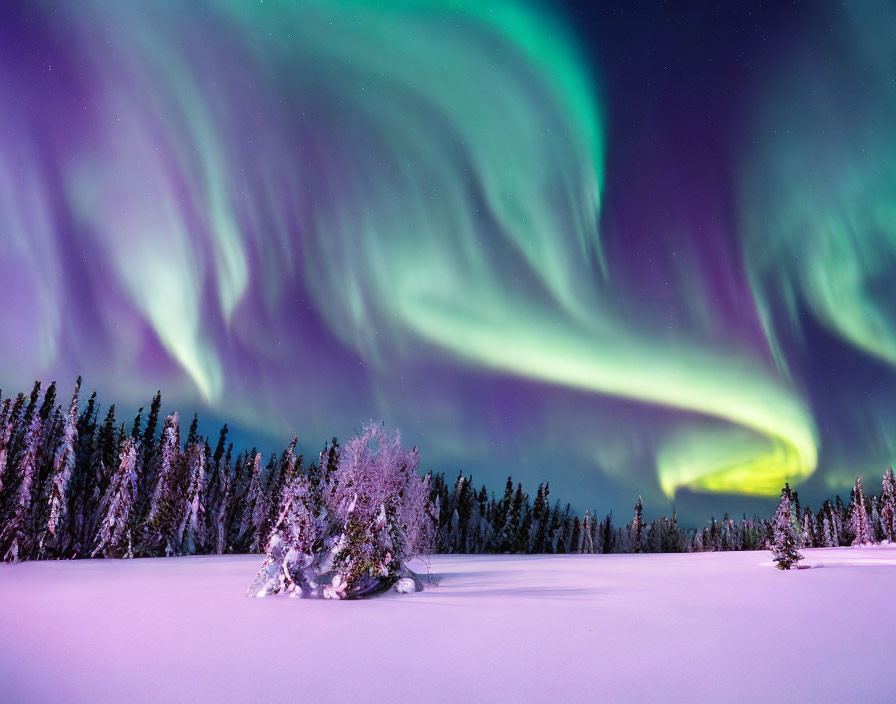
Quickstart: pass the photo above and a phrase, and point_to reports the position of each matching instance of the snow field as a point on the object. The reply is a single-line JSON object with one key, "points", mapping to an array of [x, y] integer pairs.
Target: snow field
{"points": [[521, 628]]}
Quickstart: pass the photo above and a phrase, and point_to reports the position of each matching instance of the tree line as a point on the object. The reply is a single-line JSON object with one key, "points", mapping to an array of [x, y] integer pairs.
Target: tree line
{"points": [[75, 482], [472, 521]]}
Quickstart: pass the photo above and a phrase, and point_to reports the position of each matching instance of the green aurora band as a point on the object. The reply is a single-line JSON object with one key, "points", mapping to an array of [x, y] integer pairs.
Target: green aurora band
{"points": [[823, 232], [820, 228], [430, 175]]}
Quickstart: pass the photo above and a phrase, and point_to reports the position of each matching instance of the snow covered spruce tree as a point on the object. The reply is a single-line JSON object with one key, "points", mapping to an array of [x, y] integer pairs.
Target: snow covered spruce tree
{"points": [[888, 506], [296, 550], [785, 546], [587, 546], [254, 510], [190, 535], [63, 466], [222, 512], [858, 520], [15, 538], [637, 528], [115, 537], [6, 427], [347, 533], [160, 525]]}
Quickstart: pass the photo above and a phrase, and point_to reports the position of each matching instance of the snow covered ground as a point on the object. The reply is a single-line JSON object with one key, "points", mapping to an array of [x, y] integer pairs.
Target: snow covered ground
{"points": [[611, 628]]}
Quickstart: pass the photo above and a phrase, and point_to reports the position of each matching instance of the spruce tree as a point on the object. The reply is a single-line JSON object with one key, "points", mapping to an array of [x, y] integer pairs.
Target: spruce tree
{"points": [[194, 430], [32, 404], [220, 448], [86, 430], [49, 403], [833, 519], [859, 523], [838, 511], [222, 515], [286, 468], [521, 542], [100, 468], [638, 525], [288, 565], [118, 504], [671, 540], [254, 509], [828, 537], [463, 506], [160, 522], [106, 442], [876, 526], [564, 539], [15, 538], [512, 523], [6, 428], [576, 541], [553, 532], [607, 535], [190, 536], [152, 421], [213, 495], [135, 427], [807, 536], [484, 529], [63, 466], [784, 548], [543, 527], [502, 515], [888, 505]]}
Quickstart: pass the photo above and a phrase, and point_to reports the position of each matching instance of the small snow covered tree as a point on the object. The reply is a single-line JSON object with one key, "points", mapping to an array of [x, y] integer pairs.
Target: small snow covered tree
{"points": [[63, 466], [859, 523], [638, 525], [784, 547], [807, 529], [417, 518], [834, 521], [222, 514], [114, 538], [6, 426], [587, 538], [827, 536], [15, 537], [254, 516], [286, 469], [160, 523], [296, 549], [876, 525], [190, 535], [888, 505]]}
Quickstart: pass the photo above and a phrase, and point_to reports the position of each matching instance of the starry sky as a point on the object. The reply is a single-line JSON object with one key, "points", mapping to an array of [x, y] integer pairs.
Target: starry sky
{"points": [[626, 247]]}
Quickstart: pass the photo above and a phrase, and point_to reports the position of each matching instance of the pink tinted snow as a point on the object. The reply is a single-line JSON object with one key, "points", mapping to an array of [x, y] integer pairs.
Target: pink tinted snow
{"points": [[612, 628]]}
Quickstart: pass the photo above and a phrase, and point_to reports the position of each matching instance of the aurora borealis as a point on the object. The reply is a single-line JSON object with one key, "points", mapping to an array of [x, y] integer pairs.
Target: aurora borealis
{"points": [[627, 249]]}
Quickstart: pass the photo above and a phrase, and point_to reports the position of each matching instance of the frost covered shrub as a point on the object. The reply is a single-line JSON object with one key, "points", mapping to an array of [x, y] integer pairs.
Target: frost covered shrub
{"points": [[348, 532]]}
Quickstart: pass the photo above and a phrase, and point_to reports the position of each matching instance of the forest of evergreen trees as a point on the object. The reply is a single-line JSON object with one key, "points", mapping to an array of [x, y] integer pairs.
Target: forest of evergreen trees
{"points": [[474, 522], [76, 482]]}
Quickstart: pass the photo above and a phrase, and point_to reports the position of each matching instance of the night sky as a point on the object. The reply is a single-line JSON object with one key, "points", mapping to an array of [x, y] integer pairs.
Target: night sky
{"points": [[626, 247]]}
